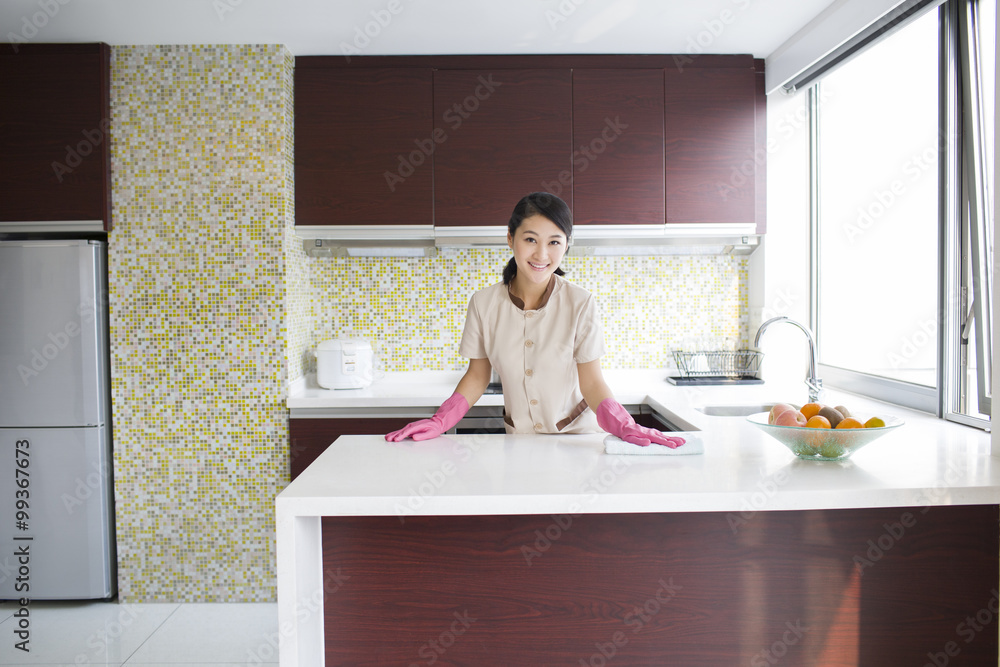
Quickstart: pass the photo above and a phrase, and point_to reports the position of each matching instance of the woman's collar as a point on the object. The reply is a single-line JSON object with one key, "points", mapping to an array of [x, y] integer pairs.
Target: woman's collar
{"points": [[519, 302]]}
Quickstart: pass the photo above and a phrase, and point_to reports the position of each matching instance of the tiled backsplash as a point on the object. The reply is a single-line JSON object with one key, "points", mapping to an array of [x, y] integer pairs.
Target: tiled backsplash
{"points": [[413, 310]]}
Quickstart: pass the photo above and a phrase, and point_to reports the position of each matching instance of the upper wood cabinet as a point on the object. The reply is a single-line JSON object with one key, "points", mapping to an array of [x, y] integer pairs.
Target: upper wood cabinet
{"points": [[55, 123], [508, 134], [457, 140], [710, 143], [617, 173], [364, 141]]}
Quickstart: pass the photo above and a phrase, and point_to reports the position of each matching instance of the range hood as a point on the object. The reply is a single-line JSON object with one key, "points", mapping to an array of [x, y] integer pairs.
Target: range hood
{"points": [[588, 240], [612, 240], [367, 240]]}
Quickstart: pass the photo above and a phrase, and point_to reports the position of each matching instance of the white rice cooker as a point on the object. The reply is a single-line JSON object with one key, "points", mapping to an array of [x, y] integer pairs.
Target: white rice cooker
{"points": [[344, 364]]}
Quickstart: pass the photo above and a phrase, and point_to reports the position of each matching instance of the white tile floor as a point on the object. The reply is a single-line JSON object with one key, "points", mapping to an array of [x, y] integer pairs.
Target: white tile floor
{"points": [[71, 634]]}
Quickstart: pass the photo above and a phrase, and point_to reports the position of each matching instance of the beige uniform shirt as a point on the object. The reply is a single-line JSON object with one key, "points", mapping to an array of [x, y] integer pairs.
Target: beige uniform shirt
{"points": [[535, 353]]}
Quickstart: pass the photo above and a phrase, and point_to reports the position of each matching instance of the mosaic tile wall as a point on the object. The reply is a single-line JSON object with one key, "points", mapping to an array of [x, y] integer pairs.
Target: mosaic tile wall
{"points": [[201, 190], [298, 283], [413, 310]]}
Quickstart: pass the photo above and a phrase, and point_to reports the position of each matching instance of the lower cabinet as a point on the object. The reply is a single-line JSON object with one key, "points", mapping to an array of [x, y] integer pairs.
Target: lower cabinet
{"points": [[310, 437]]}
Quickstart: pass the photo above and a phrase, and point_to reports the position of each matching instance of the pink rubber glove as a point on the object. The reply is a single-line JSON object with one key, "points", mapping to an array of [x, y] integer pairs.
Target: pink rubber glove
{"points": [[615, 419], [449, 414]]}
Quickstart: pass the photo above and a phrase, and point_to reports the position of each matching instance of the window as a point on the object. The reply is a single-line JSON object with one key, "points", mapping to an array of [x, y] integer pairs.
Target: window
{"points": [[902, 174], [877, 161]]}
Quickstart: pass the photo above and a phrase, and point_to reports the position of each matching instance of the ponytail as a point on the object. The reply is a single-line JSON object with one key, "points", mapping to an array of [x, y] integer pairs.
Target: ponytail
{"points": [[509, 271]]}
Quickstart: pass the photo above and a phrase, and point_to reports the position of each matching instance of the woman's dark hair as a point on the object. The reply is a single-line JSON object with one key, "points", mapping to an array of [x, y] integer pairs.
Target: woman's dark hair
{"points": [[549, 207]]}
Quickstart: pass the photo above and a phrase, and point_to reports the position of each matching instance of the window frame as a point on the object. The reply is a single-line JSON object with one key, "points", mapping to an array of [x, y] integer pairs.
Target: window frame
{"points": [[972, 221]]}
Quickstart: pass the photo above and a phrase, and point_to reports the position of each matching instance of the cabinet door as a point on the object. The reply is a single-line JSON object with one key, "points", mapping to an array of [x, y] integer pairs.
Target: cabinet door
{"points": [[508, 134], [54, 133], [618, 146], [310, 437], [363, 146], [709, 144]]}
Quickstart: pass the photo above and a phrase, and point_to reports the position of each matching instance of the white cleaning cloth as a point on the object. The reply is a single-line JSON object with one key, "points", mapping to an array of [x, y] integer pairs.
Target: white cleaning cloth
{"points": [[692, 445]]}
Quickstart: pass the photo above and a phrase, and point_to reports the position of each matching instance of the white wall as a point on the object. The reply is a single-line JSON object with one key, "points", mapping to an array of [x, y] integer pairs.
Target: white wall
{"points": [[779, 269]]}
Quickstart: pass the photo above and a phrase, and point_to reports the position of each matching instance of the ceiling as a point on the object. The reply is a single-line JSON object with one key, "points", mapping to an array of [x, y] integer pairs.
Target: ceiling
{"points": [[418, 27]]}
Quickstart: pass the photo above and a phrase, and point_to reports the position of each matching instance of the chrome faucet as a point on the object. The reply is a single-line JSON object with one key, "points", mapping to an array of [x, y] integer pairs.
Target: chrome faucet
{"points": [[814, 383]]}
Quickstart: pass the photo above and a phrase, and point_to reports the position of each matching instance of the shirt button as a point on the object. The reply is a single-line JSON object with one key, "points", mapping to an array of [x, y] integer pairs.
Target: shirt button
{"points": [[534, 401], [529, 343], [529, 372], [529, 314], [539, 427]]}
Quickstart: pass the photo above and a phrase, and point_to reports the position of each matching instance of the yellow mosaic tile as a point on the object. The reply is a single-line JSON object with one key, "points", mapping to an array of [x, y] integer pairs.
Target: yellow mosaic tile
{"points": [[201, 183], [412, 310]]}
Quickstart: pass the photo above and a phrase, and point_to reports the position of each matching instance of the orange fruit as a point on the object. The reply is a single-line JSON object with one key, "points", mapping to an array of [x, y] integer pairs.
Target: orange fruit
{"points": [[818, 422], [811, 410], [850, 422]]}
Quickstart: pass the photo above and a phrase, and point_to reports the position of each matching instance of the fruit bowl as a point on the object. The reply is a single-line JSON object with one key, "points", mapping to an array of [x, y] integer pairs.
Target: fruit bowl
{"points": [[823, 444]]}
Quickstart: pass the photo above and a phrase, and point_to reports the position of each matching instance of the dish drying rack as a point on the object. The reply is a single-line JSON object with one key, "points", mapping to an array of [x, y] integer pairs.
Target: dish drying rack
{"points": [[725, 363]]}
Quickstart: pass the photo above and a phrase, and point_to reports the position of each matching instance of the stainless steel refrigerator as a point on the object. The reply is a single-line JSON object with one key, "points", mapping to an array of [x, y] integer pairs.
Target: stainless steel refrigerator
{"points": [[56, 491]]}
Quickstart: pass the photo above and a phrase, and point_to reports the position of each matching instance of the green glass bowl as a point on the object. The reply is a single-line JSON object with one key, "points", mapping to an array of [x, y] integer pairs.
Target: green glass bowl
{"points": [[823, 444]]}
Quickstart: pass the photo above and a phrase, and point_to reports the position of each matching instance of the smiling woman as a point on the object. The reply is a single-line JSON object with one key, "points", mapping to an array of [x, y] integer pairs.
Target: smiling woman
{"points": [[542, 335]]}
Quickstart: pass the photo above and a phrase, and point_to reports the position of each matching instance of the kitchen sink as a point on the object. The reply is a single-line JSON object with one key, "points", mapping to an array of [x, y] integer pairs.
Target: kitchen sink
{"points": [[734, 410]]}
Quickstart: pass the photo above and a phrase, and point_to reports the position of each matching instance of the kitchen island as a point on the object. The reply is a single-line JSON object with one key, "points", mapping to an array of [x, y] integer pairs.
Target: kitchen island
{"points": [[492, 549]]}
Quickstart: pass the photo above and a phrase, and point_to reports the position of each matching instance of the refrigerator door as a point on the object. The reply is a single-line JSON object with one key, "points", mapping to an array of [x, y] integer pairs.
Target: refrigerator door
{"points": [[53, 347], [60, 548]]}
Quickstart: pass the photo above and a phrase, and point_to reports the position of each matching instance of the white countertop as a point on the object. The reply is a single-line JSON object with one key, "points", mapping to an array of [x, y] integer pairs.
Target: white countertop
{"points": [[927, 461]]}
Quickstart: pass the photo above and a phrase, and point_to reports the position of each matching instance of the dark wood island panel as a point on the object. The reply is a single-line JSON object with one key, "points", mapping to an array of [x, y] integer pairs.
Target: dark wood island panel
{"points": [[883, 586]]}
